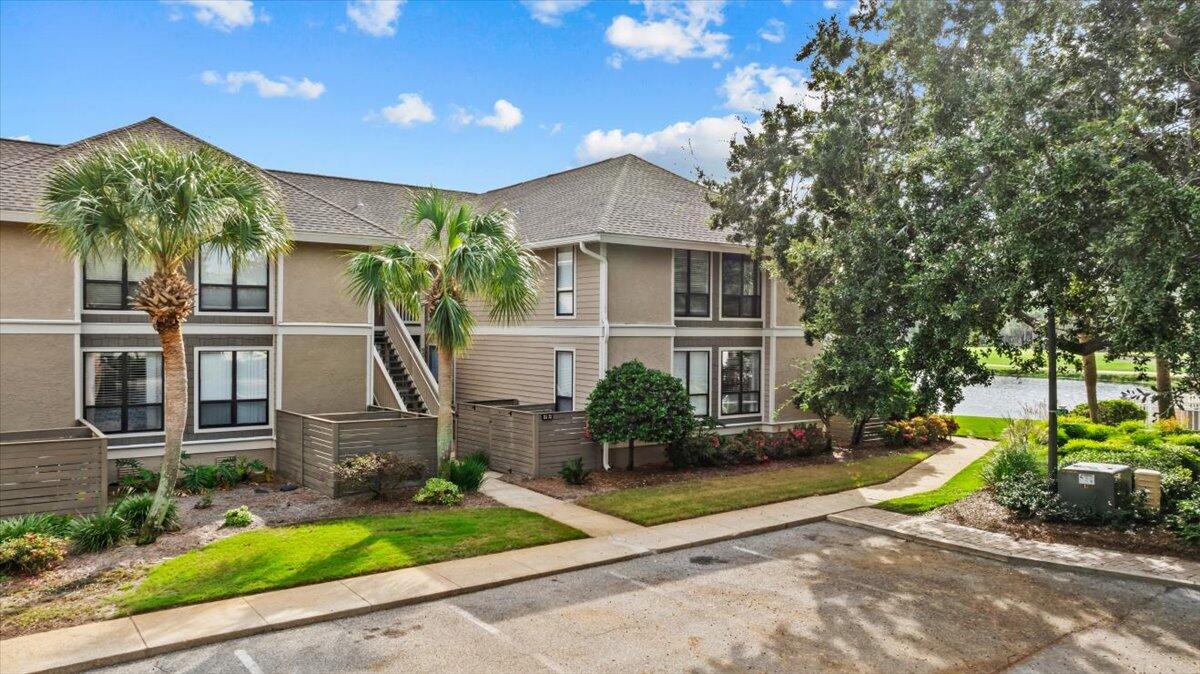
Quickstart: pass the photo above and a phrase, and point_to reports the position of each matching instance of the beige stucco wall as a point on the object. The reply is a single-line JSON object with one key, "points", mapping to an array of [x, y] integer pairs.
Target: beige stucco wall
{"points": [[787, 310], [639, 285], [36, 280], [789, 351], [37, 381], [522, 367], [314, 287], [324, 373], [654, 352]]}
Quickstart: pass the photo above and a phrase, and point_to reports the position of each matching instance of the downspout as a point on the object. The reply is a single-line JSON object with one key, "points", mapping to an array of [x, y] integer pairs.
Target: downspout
{"points": [[603, 258]]}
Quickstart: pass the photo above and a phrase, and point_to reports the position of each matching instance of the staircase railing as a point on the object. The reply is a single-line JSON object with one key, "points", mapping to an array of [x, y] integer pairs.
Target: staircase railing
{"points": [[410, 356], [386, 394]]}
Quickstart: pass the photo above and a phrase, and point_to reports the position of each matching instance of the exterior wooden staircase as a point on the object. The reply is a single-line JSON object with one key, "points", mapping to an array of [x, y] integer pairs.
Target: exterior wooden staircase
{"points": [[400, 378]]}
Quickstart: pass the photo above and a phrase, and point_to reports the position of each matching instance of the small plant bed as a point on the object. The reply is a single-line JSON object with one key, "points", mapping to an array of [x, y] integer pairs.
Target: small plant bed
{"points": [[85, 587], [683, 499]]}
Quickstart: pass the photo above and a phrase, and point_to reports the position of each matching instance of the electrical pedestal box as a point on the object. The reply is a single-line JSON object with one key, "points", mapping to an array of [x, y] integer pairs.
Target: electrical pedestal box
{"points": [[1099, 487]]}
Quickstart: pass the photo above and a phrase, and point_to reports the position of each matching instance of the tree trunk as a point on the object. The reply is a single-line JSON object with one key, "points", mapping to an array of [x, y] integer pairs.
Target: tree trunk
{"points": [[825, 424], [856, 432], [1089, 385], [445, 415], [630, 454], [175, 406], [1162, 385]]}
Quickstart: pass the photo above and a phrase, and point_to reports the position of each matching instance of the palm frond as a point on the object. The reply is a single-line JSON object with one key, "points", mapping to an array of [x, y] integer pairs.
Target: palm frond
{"points": [[450, 324], [394, 273]]}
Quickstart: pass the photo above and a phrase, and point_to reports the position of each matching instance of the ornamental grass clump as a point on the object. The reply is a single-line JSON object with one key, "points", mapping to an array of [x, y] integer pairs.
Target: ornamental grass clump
{"points": [[135, 509], [56, 526], [98, 532]]}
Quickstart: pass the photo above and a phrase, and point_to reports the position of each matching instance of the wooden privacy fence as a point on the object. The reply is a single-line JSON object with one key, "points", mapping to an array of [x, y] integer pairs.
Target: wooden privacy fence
{"points": [[308, 445], [530, 440], [61, 470]]}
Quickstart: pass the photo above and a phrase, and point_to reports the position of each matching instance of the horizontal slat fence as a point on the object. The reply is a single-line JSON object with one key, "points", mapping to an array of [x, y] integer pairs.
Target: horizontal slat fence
{"points": [[529, 439], [62, 470], [307, 446]]}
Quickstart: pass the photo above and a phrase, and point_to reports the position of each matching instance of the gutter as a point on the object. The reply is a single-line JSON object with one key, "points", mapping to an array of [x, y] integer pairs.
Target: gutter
{"points": [[604, 325]]}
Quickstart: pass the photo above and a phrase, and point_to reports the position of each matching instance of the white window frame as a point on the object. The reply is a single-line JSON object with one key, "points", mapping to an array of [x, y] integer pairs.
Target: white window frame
{"points": [[708, 316], [762, 296], [271, 393], [197, 260], [720, 390], [118, 349], [574, 377], [709, 352], [574, 273]]}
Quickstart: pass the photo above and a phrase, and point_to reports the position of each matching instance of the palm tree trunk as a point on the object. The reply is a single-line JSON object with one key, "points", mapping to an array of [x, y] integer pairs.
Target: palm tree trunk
{"points": [[175, 405], [1089, 385], [1162, 385], [445, 415]]}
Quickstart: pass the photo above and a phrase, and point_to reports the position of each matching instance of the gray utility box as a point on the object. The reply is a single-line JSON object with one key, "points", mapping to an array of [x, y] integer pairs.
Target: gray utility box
{"points": [[1099, 487]]}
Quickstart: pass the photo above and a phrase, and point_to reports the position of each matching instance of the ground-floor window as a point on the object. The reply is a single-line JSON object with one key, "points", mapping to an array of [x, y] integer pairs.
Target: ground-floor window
{"points": [[564, 381], [740, 382], [233, 388], [123, 391], [691, 367]]}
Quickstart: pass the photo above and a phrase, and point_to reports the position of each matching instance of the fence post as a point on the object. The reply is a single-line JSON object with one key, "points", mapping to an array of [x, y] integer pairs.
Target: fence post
{"points": [[303, 421], [537, 452], [103, 474]]}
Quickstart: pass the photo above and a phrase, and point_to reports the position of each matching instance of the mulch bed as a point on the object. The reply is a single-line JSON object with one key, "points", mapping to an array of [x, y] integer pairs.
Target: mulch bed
{"points": [[980, 511], [601, 482], [81, 589]]}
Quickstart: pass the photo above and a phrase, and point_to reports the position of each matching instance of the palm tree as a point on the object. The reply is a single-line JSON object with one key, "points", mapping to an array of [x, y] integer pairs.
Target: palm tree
{"points": [[158, 205], [461, 254]]}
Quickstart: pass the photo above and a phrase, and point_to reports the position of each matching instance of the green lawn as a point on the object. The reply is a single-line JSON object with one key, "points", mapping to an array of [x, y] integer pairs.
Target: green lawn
{"points": [[984, 428], [270, 559], [1103, 362], [963, 484], [683, 500]]}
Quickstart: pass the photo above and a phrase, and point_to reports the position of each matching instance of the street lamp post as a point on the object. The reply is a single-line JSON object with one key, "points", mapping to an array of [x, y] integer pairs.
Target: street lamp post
{"points": [[1052, 394]]}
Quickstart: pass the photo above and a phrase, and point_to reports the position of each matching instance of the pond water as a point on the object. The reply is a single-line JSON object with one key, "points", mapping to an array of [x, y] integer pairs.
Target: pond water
{"points": [[1007, 396]]}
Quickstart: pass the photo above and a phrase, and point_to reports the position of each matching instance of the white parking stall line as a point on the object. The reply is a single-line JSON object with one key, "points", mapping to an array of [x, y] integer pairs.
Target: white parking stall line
{"points": [[495, 631], [248, 662]]}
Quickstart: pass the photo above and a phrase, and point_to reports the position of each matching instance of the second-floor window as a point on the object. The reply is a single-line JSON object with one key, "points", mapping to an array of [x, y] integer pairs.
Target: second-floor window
{"points": [[224, 287], [564, 281], [123, 391], [741, 288], [110, 283], [233, 388], [691, 283]]}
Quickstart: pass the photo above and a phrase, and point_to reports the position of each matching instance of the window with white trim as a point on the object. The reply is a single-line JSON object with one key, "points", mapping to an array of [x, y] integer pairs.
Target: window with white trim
{"points": [[123, 391], [740, 382], [226, 287], [233, 388], [692, 281], [691, 367], [741, 288], [564, 281], [111, 282], [564, 381]]}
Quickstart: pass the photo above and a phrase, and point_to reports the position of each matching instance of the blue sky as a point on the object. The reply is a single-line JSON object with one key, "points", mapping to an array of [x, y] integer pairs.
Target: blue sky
{"points": [[466, 95]]}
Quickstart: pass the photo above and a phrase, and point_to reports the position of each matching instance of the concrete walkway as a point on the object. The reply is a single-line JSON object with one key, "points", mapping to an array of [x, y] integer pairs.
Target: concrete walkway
{"points": [[1003, 547], [124, 639]]}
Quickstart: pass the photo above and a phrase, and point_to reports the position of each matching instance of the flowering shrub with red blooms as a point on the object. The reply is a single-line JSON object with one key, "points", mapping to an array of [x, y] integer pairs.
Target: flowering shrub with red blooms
{"points": [[919, 430]]}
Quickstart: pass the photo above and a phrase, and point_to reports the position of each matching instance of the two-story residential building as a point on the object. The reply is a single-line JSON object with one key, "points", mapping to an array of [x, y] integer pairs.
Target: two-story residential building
{"points": [[632, 270]]}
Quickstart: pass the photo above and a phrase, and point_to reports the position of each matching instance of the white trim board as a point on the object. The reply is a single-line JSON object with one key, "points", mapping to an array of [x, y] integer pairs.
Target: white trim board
{"points": [[152, 449]]}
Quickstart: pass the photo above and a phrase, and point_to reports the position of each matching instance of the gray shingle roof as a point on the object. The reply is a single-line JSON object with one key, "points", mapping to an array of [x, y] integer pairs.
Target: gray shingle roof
{"points": [[13, 150], [21, 182]]}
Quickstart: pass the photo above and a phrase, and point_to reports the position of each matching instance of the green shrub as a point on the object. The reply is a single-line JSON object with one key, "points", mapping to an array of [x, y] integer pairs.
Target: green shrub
{"points": [[1011, 460], [1185, 521], [1086, 430], [1113, 412], [573, 472], [134, 510], [98, 532], [46, 524], [31, 553], [1178, 485], [439, 491], [1162, 458], [380, 473], [238, 517], [700, 448], [1187, 440], [204, 502], [137, 479], [1023, 493], [196, 479], [466, 474], [919, 430], [634, 403]]}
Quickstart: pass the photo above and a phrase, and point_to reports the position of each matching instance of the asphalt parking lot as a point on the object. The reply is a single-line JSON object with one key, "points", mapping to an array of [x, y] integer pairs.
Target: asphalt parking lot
{"points": [[822, 597]]}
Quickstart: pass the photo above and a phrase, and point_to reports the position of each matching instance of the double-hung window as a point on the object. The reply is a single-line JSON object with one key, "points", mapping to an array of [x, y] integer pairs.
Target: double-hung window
{"points": [[740, 382], [123, 391], [564, 281], [233, 388], [226, 287], [564, 381], [691, 283], [110, 282], [741, 288], [691, 367]]}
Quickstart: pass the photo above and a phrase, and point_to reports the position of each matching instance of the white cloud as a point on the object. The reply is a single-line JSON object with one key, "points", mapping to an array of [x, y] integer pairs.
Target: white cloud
{"points": [[505, 116], [550, 12], [773, 32], [615, 60], [284, 87], [753, 87], [832, 4], [27, 137], [552, 129], [672, 30], [375, 17], [224, 15], [411, 109], [681, 146]]}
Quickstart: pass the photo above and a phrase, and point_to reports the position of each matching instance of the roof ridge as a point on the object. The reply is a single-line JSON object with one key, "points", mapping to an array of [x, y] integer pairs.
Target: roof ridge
{"points": [[616, 191], [103, 134], [28, 142], [557, 173], [371, 180]]}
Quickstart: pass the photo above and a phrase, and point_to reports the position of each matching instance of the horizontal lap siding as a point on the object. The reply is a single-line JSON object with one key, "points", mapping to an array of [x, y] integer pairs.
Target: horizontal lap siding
{"points": [[522, 366], [587, 294], [65, 476], [505, 435]]}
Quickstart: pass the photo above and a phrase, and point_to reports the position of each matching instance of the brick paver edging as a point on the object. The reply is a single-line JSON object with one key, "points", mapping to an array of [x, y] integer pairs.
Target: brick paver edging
{"points": [[1003, 547]]}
